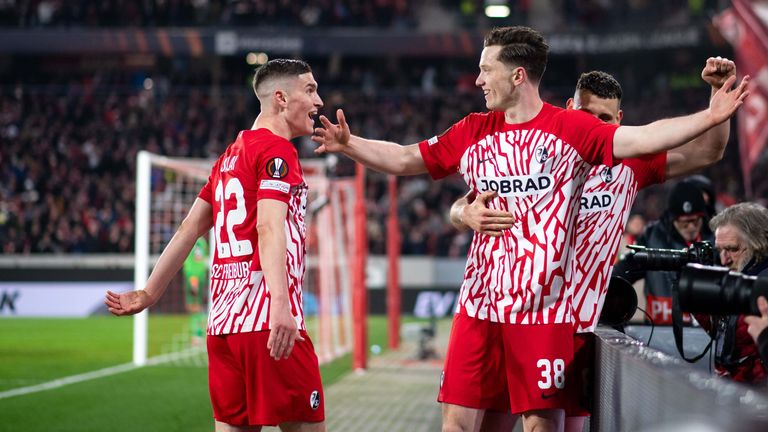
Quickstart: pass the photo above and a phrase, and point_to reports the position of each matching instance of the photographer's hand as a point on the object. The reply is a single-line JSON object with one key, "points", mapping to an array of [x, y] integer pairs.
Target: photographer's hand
{"points": [[758, 323]]}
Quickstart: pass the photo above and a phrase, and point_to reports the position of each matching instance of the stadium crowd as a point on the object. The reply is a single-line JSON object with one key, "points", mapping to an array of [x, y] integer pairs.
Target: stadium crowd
{"points": [[69, 145], [574, 14]]}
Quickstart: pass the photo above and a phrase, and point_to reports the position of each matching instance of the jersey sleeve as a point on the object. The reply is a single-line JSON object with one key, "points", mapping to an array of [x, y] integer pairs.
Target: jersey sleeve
{"points": [[206, 193], [442, 153], [649, 170], [591, 137], [277, 171]]}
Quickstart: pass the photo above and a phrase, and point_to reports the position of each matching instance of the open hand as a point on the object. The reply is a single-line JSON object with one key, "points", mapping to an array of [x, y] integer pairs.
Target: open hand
{"points": [[484, 220], [332, 138], [727, 100], [127, 303]]}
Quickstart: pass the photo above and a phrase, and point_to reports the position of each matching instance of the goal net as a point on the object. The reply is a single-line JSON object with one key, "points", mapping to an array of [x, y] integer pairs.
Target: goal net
{"points": [[174, 329]]}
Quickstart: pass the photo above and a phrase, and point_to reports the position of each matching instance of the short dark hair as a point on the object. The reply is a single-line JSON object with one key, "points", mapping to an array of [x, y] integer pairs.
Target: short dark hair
{"points": [[278, 68], [601, 84], [520, 46]]}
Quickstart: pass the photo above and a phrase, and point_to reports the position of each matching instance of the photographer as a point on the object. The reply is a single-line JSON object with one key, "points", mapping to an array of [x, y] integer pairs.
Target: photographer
{"points": [[681, 225], [741, 237]]}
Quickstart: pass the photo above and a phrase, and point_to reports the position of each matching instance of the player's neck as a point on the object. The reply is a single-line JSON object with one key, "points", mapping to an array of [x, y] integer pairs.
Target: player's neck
{"points": [[524, 108], [274, 124]]}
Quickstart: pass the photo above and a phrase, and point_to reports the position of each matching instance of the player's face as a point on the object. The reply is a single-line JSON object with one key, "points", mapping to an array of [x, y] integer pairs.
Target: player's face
{"points": [[606, 110], [303, 104], [732, 247], [495, 79]]}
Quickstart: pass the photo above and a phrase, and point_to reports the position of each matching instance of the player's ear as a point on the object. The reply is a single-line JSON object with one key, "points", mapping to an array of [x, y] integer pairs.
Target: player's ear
{"points": [[569, 103], [619, 116], [280, 98], [519, 75]]}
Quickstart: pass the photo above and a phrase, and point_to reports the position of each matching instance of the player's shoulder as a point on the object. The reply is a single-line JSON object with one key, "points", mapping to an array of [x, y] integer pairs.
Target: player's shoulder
{"points": [[484, 117], [572, 115], [262, 137]]}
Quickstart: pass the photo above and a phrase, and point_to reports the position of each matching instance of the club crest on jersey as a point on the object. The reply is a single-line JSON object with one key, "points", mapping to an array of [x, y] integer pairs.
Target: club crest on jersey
{"points": [[517, 185], [607, 175], [595, 202], [541, 154], [277, 168], [314, 400]]}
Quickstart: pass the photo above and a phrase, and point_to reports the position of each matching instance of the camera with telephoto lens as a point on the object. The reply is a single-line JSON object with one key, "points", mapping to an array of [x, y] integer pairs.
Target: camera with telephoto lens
{"points": [[670, 259], [719, 291]]}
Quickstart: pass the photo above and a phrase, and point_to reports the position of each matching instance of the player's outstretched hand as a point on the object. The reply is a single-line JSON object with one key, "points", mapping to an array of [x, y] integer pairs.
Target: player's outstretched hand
{"points": [[727, 100], [283, 333], [127, 303], [332, 138], [717, 70], [482, 219], [757, 324]]}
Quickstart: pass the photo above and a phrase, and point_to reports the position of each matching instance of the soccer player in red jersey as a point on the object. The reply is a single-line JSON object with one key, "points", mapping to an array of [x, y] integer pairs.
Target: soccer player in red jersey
{"points": [[512, 336], [262, 366], [603, 211]]}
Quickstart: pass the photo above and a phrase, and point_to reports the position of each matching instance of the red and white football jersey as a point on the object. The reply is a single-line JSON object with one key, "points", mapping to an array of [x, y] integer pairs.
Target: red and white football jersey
{"points": [[538, 168], [258, 165], [605, 205]]}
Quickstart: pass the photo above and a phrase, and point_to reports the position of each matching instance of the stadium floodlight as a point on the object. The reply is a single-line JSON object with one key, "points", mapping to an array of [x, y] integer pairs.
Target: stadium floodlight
{"points": [[256, 59], [496, 8]]}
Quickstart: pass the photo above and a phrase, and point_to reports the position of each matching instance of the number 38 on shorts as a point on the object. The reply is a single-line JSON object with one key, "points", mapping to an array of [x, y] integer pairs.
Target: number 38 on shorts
{"points": [[552, 373]]}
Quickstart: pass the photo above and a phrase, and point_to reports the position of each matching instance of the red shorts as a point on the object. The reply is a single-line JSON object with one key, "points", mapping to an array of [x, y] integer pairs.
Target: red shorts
{"points": [[581, 376], [250, 388], [507, 367]]}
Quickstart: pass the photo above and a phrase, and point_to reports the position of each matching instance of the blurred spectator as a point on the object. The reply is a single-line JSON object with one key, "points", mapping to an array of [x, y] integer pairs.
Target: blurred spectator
{"points": [[573, 14], [680, 226], [69, 140]]}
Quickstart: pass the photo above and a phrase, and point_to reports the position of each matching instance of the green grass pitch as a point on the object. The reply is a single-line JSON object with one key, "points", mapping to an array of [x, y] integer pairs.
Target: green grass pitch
{"points": [[166, 397]]}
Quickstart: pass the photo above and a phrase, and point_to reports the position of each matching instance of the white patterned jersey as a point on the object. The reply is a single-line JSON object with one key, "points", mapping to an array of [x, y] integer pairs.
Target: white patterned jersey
{"points": [[258, 165], [538, 168], [603, 212]]}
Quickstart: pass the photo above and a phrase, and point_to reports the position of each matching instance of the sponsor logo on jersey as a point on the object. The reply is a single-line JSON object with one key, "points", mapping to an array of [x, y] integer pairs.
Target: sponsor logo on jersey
{"points": [[548, 395], [541, 154], [607, 175], [237, 270], [279, 186], [517, 185], [314, 400], [277, 168], [595, 202]]}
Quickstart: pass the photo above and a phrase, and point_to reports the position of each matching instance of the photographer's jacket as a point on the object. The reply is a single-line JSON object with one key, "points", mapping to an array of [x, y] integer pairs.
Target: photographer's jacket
{"points": [[737, 355]]}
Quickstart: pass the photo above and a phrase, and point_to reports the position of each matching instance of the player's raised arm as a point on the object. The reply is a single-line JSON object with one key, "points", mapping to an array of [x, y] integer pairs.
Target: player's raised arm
{"points": [[384, 156], [199, 220], [633, 141], [709, 147]]}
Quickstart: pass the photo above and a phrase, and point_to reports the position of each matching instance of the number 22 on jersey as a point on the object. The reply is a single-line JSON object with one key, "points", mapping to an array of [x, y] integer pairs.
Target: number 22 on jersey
{"points": [[232, 218]]}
